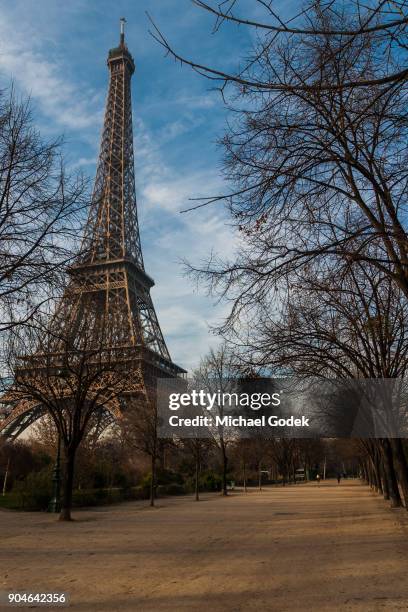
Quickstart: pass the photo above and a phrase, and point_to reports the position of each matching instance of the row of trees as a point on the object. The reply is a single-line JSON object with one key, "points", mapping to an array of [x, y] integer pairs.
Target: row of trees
{"points": [[317, 162], [111, 469]]}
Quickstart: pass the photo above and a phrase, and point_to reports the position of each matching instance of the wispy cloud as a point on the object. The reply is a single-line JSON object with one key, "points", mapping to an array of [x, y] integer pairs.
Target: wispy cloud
{"points": [[185, 311], [83, 162], [66, 104]]}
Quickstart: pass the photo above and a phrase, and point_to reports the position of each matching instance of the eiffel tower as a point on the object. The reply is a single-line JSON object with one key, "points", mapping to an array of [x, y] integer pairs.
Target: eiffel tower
{"points": [[108, 277]]}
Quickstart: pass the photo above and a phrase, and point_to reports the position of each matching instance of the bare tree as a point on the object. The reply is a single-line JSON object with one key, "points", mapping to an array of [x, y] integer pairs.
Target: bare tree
{"points": [[40, 208], [242, 454], [140, 432], [74, 385], [217, 372], [198, 448], [342, 23], [316, 174], [284, 453]]}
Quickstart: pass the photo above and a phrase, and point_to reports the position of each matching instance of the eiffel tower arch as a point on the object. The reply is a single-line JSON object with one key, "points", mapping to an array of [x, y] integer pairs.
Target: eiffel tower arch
{"points": [[108, 280]]}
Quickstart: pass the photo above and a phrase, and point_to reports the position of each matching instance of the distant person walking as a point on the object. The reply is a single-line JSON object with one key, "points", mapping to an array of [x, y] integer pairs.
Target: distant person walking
{"points": [[338, 478], [318, 478]]}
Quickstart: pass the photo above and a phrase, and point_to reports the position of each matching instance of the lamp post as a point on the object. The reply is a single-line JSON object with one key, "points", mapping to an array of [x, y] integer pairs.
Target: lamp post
{"points": [[5, 477], [55, 503]]}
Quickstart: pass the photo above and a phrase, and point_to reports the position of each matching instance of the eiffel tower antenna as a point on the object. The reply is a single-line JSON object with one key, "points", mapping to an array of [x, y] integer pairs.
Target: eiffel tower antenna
{"points": [[108, 277], [122, 31]]}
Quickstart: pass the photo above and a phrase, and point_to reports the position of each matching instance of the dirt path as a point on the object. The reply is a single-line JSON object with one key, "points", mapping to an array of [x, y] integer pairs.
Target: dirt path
{"points": [[307, 547]]}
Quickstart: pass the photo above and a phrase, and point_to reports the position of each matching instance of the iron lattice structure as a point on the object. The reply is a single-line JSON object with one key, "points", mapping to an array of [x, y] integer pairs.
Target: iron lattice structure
{"points": [[107, 300]]}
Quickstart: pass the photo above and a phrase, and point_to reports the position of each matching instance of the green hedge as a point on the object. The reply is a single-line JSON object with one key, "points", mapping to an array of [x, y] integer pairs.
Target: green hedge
{"points": [[35, 491], [32, 493]]}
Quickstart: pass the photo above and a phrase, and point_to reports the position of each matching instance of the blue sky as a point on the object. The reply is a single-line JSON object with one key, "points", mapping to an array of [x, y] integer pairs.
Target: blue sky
{"points": [[56, 52]]}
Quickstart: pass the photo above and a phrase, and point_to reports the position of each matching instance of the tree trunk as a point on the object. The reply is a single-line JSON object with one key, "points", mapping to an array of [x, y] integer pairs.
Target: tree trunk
{"points": [[401, 467], [197, 474], [377, 469], [153, 480], [244, 476], [224, 470], [373, 471], [370, 472], [389, 472], [385, 483], [366, 473], [65, 514]]}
